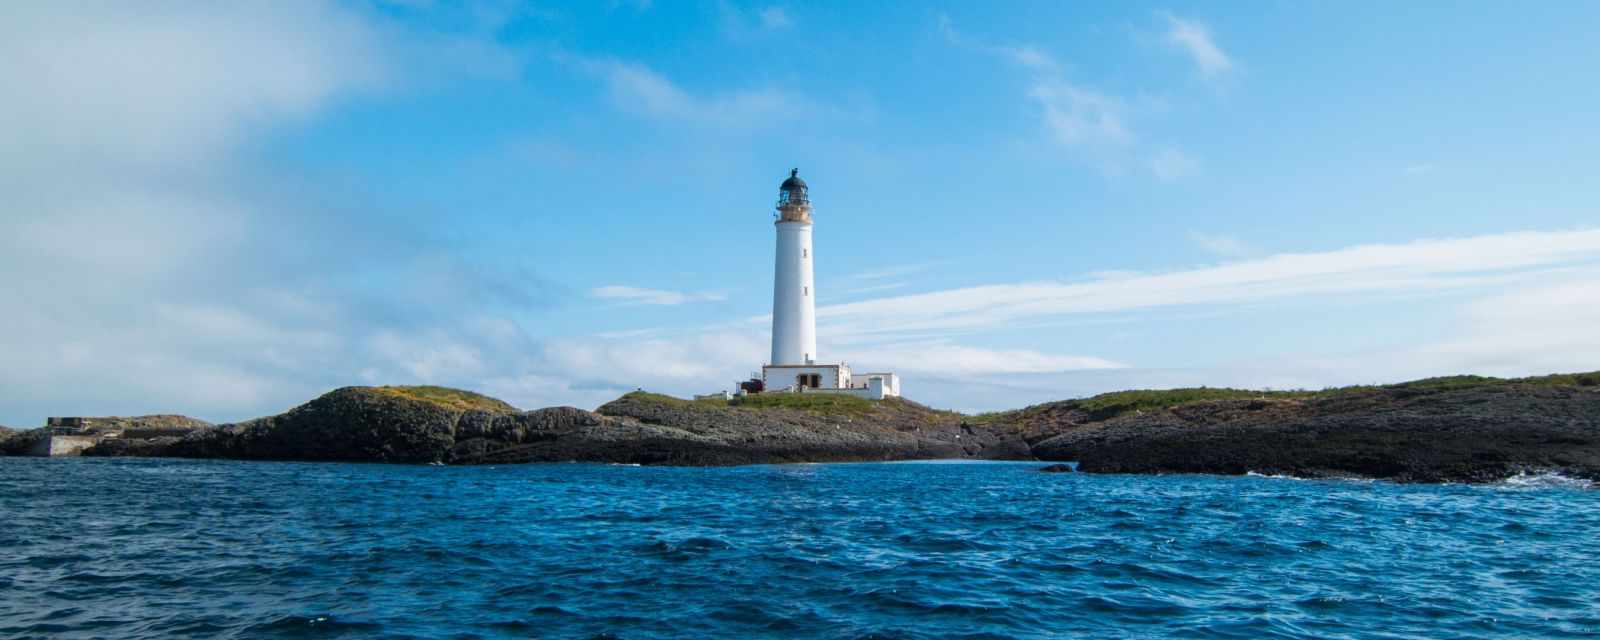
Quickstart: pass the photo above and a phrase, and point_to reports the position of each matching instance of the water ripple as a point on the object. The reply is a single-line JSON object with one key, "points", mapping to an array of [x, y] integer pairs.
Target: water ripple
{"points": [[203, 549]]}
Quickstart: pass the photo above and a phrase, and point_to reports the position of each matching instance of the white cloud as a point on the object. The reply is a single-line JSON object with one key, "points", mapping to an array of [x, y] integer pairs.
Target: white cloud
{"points": [[1093, 124], [1081, 117], [431, 356], [1172, 164], [1421, 266], [172, 83], [1194, 39], [1543, 329], [681, 363], [752, 25], [636, 88], [1026, 56], [946, 359], [890, 272], [1219, 244], [159, 268], [637, 295], [875, 288], [775, 18]]}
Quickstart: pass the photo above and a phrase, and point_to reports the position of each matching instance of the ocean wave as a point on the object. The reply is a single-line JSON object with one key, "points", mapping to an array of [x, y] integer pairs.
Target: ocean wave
{"points": [[852, 551]]}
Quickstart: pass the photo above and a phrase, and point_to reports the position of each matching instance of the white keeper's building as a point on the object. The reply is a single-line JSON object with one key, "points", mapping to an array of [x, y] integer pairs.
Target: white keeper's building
{"points": [[795, 366]]}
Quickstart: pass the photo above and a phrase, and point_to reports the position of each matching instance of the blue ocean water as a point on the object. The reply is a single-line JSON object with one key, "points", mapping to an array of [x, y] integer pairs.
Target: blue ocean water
{"points": [[130, 548]]}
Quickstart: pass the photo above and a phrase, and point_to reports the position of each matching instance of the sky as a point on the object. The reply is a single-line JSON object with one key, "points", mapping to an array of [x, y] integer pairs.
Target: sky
{"points": [[226, 209]]}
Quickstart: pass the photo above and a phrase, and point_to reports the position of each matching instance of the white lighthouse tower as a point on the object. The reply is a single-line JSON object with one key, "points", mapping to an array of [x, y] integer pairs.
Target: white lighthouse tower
{"points": [[794, 367], [794, 309]]}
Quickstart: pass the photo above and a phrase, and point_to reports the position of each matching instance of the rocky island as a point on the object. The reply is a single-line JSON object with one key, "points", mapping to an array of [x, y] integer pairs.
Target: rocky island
{"points": [[1456, 429]]}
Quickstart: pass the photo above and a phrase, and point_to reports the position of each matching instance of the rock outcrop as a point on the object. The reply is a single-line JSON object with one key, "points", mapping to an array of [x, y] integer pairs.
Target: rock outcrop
{"points": [[819, 428], [1472, 433], [1456, 429], [389, 424], [18, 442]]}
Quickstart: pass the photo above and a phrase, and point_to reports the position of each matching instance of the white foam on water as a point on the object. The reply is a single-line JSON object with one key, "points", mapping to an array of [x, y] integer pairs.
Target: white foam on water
{"points": [[1274, 476], [1545, 480]]}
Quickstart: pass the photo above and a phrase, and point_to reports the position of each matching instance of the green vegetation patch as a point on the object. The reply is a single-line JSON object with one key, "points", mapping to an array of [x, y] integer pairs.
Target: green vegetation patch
{"points": [[1108, 405], [825, 403], [671, 401], [1100, 407], [447, 397], [1591, 379], [1116, 403], [821, 403]]}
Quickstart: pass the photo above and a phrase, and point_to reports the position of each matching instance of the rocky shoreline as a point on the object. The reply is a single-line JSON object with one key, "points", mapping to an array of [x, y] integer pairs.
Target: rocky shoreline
{"points": [[1463, 429], [1475, 434]]}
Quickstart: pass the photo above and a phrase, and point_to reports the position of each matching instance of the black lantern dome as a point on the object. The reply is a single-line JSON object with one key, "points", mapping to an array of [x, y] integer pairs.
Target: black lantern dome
{"points": [[793, 190]]}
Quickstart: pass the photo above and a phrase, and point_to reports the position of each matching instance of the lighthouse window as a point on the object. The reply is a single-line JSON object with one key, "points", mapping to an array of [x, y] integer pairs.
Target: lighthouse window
{"points": [[805, 291], [805, 253]]}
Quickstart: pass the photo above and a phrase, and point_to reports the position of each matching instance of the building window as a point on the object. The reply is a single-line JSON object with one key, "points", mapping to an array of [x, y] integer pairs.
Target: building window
{"points": [[805, 253]]}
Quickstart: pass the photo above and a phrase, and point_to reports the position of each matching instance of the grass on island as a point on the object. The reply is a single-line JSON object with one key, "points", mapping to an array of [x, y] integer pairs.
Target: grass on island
{"points": [[1590, 379], [813, 402], [825, 403], [447, 397], [673, 401], [1116, 403], [1103, 406]]}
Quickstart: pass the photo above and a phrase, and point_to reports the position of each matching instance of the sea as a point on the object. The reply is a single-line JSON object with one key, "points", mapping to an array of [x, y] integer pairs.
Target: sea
{"points": [[144, 548]]}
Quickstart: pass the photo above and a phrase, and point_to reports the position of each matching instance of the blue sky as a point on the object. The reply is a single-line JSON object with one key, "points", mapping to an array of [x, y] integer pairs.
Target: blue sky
{"points": [[223, 210]]}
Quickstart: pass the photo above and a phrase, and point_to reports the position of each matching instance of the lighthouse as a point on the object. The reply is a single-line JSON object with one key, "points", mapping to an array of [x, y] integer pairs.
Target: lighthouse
{"points": [[795, 366], [794, 308]]}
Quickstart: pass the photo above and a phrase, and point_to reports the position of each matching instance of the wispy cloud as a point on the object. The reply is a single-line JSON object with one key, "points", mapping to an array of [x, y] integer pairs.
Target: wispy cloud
{"points": [[1081, 117], [1221, 245], [1173, 164], [1194, 39], [875, 288], [947, 359], [891, 272], [775, 18], [740, 24], [637, 295], [638, 89], [1026, 56], [1094, 124], [1421, 266]]}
